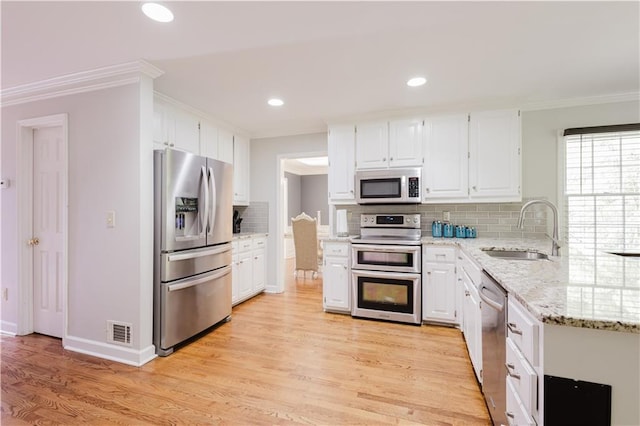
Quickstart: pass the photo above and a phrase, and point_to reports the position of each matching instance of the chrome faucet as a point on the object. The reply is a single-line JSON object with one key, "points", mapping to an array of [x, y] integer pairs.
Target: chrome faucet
{"points": [[556, 244]]}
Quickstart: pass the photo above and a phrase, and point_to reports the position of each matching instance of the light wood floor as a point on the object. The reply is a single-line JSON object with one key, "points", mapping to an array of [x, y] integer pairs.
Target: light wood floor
{"points": [[280, 360]]}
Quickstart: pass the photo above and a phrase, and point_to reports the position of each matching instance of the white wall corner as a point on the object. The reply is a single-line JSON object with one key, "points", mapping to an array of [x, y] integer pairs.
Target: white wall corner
{"points": [[80, 82], [111, 352]]}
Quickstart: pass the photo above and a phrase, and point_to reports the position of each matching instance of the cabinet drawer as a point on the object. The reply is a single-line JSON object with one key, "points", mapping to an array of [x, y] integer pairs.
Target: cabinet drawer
{"points": [[523, 330], [524, 377], [517, 414], [439, 254], [335, 249], [259, 243], [244, 244]]}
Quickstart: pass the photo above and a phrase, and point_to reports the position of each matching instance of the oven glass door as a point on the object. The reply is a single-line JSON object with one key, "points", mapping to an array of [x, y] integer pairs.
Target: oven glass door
{"points": [[388, 296], [385, 294], [386, 258]]}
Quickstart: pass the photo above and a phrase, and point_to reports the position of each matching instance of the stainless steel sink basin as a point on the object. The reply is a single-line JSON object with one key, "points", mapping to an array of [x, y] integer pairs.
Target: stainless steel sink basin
{"points": [[516, 254]]}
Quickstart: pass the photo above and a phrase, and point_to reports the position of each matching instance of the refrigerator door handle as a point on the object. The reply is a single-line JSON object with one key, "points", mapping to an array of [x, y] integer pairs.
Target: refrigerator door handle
{"points": [[203, 213], [184, 256], [214, 196], [221, 273]]}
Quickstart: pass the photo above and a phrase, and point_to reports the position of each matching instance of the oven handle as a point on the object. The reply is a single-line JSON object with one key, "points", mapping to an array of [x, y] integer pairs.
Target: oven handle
{"points": [[388, 249], [382, 274]]}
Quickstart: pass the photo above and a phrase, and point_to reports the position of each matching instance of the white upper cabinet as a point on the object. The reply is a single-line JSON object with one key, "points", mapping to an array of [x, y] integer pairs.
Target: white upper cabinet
{"points": [[383, 144], [445, 170], [341, 150], [175, 128], [494, 156], [241, 173], [372, 145], [208, 140], [225, 146], [405, 143]]}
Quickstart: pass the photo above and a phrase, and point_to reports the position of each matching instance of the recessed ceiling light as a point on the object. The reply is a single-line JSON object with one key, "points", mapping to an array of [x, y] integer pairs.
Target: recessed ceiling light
{"points": [[157, 12], [416, 81], [275, 102]]}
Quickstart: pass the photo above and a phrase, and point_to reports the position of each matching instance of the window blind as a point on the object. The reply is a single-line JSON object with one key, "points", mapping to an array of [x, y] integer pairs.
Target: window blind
{"points": [[602, 190]]}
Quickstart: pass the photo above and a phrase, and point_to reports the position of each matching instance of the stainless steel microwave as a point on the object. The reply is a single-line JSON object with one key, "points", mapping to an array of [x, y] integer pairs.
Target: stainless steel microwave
{"points": [[389, 186]]}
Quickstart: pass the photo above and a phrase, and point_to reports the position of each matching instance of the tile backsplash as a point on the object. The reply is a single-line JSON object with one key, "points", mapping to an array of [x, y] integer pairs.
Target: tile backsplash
{"points": [[255, 216], [490, 219]]}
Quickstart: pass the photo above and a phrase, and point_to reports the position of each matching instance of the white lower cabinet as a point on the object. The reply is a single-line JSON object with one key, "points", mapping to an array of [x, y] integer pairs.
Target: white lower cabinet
{"points": [[517, 414], [471, 311], [439, 284], [248, 268], [336, 277]]}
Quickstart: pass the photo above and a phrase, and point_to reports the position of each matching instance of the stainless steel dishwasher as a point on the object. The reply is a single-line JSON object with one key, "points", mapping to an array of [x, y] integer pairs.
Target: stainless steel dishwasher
{"points": [[494, 324]]}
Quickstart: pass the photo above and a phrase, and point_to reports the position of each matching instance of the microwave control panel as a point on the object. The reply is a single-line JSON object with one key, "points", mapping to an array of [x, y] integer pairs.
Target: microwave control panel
{"points": [[414, 187]]}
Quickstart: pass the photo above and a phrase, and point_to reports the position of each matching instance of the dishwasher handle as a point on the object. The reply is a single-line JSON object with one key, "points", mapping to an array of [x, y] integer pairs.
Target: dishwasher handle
{"points": [[495, 305]]}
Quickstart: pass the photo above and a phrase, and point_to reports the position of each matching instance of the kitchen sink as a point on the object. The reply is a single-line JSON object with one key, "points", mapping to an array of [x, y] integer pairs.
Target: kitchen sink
{"points": [[515, 254]]}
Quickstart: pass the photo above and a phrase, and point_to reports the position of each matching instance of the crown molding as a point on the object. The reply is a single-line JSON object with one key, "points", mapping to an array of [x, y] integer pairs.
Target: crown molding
{"points": [[80, 82], [585, 101]]}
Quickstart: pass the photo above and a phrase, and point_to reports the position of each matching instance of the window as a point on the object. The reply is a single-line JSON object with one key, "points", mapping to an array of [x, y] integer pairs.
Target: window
{"points": [[602, 214], [602, 190]]}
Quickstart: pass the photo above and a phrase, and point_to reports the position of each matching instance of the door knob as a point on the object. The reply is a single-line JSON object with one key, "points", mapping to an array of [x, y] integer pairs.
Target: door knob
{"points": [[33, 242]]}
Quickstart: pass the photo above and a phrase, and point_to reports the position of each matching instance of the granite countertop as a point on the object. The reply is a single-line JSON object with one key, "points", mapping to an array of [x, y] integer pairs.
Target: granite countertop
{"points": [[590, 289]]}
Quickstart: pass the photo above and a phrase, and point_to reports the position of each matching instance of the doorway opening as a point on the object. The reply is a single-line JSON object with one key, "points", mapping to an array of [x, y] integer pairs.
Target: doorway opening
{"points": [[303, 188]]}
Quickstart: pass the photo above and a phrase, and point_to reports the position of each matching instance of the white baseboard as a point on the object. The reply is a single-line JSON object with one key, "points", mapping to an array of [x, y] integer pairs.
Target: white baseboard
{"points": [[10, 328], [116, 353]]}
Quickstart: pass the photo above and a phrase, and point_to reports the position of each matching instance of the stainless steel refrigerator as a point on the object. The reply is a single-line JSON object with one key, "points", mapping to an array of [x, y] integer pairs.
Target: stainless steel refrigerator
{"points": [[193, 227]]}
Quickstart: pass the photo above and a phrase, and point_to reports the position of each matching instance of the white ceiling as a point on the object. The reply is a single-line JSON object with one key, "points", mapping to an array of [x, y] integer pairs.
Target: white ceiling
{"points": [[335, 60]]}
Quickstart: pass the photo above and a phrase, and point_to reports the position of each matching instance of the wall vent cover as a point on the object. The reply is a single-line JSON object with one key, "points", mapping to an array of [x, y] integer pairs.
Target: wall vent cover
{"points": [[119, 332]]}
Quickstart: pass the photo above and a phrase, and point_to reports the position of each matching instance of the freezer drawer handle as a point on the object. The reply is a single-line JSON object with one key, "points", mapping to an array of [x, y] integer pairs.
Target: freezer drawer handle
{"points": [[185, 256], [224, 271], [513, 328]]}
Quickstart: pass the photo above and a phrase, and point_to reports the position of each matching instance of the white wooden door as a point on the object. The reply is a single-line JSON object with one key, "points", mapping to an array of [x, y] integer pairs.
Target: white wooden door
{"points": [[341, 149], [335, 283], [48, 237], [258, 269], [445, 171], [405, 143], [439, 292], [372, 145], [241, 171], [494, 149]]}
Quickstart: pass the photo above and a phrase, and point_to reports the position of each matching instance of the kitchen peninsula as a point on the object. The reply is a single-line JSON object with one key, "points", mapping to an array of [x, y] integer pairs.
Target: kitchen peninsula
{"points": [[586, 306]]}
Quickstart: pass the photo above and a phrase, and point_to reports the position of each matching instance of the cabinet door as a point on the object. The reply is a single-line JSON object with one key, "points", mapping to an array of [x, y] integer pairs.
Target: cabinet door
{"points": [[235, 281], [445, 170], [208, 140], [240, 171], [335, 283], [259, 271], [405, 143], [372, 145], [494, 162], [245, 276], [225, 146], [439, 292], [187, 131], [473, 326], [341, 149]]}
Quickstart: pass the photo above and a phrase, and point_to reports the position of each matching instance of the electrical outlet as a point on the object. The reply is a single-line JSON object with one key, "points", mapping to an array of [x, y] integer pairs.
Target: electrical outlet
{"points": [[111, 219], [446, 216]]}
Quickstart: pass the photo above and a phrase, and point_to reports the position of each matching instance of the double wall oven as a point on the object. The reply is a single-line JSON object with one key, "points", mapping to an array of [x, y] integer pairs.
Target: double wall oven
{"points": [[386, 268]]}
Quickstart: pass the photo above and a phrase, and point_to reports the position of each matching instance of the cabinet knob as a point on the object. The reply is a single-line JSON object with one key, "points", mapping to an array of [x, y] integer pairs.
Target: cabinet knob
{"points": [[344, 266], [391, 159], [428, 272], [427, 190], [474, 188], [384, 159], [466, 293]]}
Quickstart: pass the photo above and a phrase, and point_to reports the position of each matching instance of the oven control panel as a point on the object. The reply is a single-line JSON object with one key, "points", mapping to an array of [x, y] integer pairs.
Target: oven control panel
{"points": [[390, 221]]}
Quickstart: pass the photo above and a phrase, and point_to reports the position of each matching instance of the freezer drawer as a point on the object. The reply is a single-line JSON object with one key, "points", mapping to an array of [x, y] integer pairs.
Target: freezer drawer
{"points": [[192, 305], [192, 262]]}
